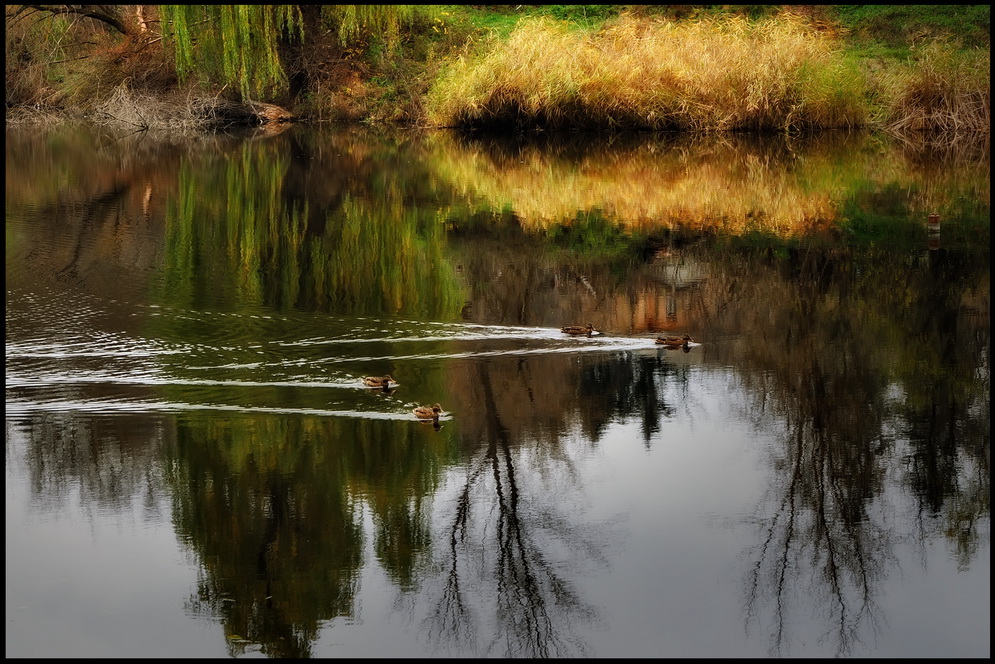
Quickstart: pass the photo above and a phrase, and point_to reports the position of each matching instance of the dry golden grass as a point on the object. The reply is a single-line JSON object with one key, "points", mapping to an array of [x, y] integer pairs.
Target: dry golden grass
{"points": [[728, 74], [941, 89]]}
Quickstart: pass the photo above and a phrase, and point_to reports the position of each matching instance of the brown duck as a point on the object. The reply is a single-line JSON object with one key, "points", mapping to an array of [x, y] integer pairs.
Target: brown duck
{"points": [[577, 330], [382, 382], [427, 412], [673, 343]]}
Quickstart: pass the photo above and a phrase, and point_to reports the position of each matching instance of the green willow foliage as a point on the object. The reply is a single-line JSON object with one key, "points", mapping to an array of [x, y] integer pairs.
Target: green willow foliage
{"points": [[234, 235], [238, 43], [379, 23]]}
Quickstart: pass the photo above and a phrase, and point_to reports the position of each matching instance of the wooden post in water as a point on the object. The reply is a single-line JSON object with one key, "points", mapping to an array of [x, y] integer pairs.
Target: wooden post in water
{"points": [[933, 231]]}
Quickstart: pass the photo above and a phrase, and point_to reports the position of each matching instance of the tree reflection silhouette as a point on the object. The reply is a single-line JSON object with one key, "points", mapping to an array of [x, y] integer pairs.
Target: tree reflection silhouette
{"points": [[829, 537], [818, 529], [823, 384], [504, 547], [278, 538], [948, 424]]}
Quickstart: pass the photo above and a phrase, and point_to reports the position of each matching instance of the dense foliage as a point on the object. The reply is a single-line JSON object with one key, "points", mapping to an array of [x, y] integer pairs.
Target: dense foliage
{"points": [[238, 44]]}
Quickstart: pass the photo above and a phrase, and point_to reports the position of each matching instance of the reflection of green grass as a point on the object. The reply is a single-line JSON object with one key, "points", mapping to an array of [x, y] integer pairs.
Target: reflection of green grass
{"points": [[591, 234], [880, 216], [891, 214]]}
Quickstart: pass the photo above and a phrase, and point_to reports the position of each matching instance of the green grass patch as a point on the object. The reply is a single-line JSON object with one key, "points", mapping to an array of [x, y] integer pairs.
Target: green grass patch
{"points": [[901, 26]]}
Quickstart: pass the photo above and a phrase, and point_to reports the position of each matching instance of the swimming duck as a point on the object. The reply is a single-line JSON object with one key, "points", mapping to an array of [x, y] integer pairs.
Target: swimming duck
{"points": [[578, 329], [382, 382], [673, 343], [427, 412]]}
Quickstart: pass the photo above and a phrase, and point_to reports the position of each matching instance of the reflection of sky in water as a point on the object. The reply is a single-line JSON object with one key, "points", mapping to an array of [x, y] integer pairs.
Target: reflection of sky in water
{"points": [[673, 590], [125, 567], [673, 517]]}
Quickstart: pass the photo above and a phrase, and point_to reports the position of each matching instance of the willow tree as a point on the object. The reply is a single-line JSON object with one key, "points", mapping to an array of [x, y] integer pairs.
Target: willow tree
{"points": [[379, 23], [240, 44], [237, 43]]}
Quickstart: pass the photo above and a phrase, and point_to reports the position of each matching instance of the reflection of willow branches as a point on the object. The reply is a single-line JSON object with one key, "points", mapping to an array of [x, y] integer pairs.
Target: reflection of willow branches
{"points": [[384, 256], [363, 257], [533, 604]]}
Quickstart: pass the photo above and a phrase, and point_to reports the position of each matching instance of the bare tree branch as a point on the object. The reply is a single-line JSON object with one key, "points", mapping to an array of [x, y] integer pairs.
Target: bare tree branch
{"points": [[107, 14]]}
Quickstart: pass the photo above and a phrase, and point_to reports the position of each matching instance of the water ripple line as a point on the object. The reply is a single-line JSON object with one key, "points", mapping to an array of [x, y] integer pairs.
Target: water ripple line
{"points": [[21, 409]]}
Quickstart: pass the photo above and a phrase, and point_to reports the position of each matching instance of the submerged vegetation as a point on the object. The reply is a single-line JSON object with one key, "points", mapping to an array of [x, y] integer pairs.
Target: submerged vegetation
{"points": [[689, 67]]}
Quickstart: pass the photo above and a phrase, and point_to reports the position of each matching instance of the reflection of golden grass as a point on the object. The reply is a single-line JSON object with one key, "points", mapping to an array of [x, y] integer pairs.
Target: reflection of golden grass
{"points": [[715, 183], [721, 186]]}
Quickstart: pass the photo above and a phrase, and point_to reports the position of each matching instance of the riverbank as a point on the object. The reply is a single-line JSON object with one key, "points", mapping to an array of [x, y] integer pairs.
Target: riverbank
{"points": [[782, 68]]}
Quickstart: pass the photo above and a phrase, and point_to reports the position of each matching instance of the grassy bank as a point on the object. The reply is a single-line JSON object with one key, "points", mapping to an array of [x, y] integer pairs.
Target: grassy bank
{"points": [[720, 74], [692, 68]]}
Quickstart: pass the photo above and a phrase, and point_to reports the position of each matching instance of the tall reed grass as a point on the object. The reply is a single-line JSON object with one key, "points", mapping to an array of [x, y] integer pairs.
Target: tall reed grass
{"points": [[941, 89], [721, 74]]}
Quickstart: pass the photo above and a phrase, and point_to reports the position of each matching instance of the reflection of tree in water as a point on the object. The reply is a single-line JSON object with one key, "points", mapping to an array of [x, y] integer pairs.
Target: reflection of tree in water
{"points": [[265, 512], [827, 539], [627, 388], [510, 542], [948, 423], [818, 541], [103, 464]]}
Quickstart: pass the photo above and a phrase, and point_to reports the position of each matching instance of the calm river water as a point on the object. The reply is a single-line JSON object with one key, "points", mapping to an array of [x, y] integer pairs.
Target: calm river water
{"points": [[194, 467]]}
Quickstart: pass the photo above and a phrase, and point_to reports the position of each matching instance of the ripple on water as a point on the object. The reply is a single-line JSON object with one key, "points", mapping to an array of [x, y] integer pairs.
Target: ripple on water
{"points": [[84, 354]]}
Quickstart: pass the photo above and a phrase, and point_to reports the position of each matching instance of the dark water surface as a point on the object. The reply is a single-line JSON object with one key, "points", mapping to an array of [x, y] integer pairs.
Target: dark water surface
{"points": [[194, 467]]}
